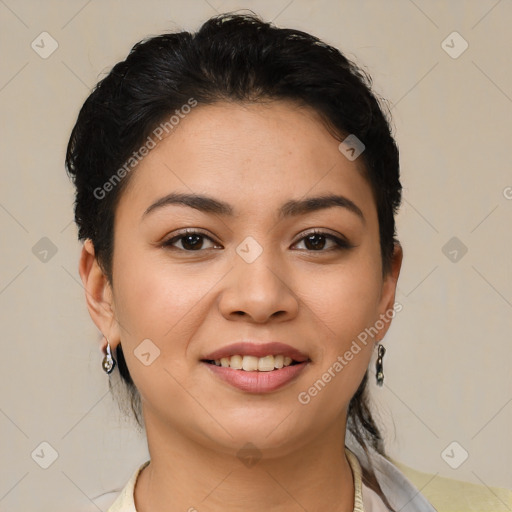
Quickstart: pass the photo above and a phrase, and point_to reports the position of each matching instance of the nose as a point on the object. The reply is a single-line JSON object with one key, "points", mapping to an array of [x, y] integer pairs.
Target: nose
{"points": [[259, 291]]}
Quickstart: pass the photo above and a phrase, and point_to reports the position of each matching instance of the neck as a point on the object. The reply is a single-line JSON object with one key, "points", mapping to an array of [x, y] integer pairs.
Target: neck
{"points": [[184, 475]]}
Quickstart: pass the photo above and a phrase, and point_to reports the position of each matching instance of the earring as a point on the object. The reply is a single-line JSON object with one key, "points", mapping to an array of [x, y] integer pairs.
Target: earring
{"points": [[108, 364], [379, 370]]}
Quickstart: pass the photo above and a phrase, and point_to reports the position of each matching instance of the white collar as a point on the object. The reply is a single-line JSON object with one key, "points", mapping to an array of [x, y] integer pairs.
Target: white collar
{"points": [[399, 491]]}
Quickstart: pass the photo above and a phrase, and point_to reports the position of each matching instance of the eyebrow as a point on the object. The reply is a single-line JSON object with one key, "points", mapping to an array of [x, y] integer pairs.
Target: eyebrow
{"points": [[291, 208]]}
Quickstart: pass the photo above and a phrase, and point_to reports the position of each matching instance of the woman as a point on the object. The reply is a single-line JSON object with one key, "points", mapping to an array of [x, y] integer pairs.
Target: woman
{"points": [[235, 192]]}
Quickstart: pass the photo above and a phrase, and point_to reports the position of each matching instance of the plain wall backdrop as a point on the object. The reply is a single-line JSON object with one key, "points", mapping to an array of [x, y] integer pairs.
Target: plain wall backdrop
{"points": [[449, 352]]}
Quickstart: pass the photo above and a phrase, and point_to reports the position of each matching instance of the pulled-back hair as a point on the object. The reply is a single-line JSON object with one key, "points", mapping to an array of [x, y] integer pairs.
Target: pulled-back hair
{"points": [[236, 58]]}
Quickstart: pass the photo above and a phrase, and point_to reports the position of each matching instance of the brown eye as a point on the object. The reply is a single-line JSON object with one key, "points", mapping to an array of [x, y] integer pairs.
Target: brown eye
{"points": [[317, 241], [190, 241]]}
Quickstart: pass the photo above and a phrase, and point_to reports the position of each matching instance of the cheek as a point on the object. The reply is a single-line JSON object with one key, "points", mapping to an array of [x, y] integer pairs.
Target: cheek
{"points": [[345, 301], [153, 296], [154, 308], [344, 304], [345, 348]]}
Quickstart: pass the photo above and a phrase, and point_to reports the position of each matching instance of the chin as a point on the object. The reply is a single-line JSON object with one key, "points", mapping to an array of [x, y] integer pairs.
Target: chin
{"points": [[270, 439]]}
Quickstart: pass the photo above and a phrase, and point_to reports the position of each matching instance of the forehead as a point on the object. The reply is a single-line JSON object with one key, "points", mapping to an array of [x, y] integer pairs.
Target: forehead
{"points": [[250, 155]]}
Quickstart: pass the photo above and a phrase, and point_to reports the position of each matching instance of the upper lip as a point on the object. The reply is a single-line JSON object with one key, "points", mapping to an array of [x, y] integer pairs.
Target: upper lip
{"points": [[257, 349]]}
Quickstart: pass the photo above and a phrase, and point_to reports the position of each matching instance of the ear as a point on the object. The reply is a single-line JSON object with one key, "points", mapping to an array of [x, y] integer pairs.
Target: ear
{"points": [[387, 300], [98, 294]]}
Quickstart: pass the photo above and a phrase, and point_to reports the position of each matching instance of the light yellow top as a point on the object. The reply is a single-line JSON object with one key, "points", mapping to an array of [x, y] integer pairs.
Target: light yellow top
{"points": [[449, 495]]}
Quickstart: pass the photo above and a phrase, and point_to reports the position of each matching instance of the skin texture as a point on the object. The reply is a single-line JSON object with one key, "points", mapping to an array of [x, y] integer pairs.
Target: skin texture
{"points": [[188, 303]]}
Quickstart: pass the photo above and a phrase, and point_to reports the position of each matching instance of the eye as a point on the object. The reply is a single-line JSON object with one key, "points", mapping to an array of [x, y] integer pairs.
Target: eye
{"points": [[317, 240], [191, 240]]}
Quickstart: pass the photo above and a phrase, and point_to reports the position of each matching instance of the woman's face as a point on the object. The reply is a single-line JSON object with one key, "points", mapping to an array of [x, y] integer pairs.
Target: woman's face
{"points": [[249, 273]]}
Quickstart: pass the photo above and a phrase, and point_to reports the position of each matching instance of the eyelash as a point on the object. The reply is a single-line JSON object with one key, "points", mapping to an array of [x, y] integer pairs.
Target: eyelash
{"points": [[341, 244]]}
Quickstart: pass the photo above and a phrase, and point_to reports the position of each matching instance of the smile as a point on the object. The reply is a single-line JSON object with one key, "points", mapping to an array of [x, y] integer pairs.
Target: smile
{"points": [[256, 367], [246, 374]]}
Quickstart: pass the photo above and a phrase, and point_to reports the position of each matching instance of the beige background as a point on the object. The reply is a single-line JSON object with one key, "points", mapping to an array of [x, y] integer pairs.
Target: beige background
{"points": [[448, 364]]}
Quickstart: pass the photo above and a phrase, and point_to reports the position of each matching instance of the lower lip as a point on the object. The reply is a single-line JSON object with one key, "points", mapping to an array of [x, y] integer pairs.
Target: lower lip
{"points": [[256, 381]]}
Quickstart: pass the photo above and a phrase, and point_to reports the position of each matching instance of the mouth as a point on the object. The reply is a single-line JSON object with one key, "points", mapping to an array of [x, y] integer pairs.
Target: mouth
{"points": [[256, 367]]}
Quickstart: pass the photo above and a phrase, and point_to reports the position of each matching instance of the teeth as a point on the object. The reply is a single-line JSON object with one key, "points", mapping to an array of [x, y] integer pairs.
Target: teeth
{"points": [[253, 363], [235, 362], [250, 363], [266, 364]]}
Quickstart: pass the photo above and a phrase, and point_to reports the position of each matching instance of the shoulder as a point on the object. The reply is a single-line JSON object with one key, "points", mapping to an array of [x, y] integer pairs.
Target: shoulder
{"points": [[122, 501], [409, 490], [400, 493], [449, 495]]}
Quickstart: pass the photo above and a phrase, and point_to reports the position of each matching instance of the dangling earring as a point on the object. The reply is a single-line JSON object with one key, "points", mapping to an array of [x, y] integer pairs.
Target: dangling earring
{"points": [[379, 370], [108, 363]]}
